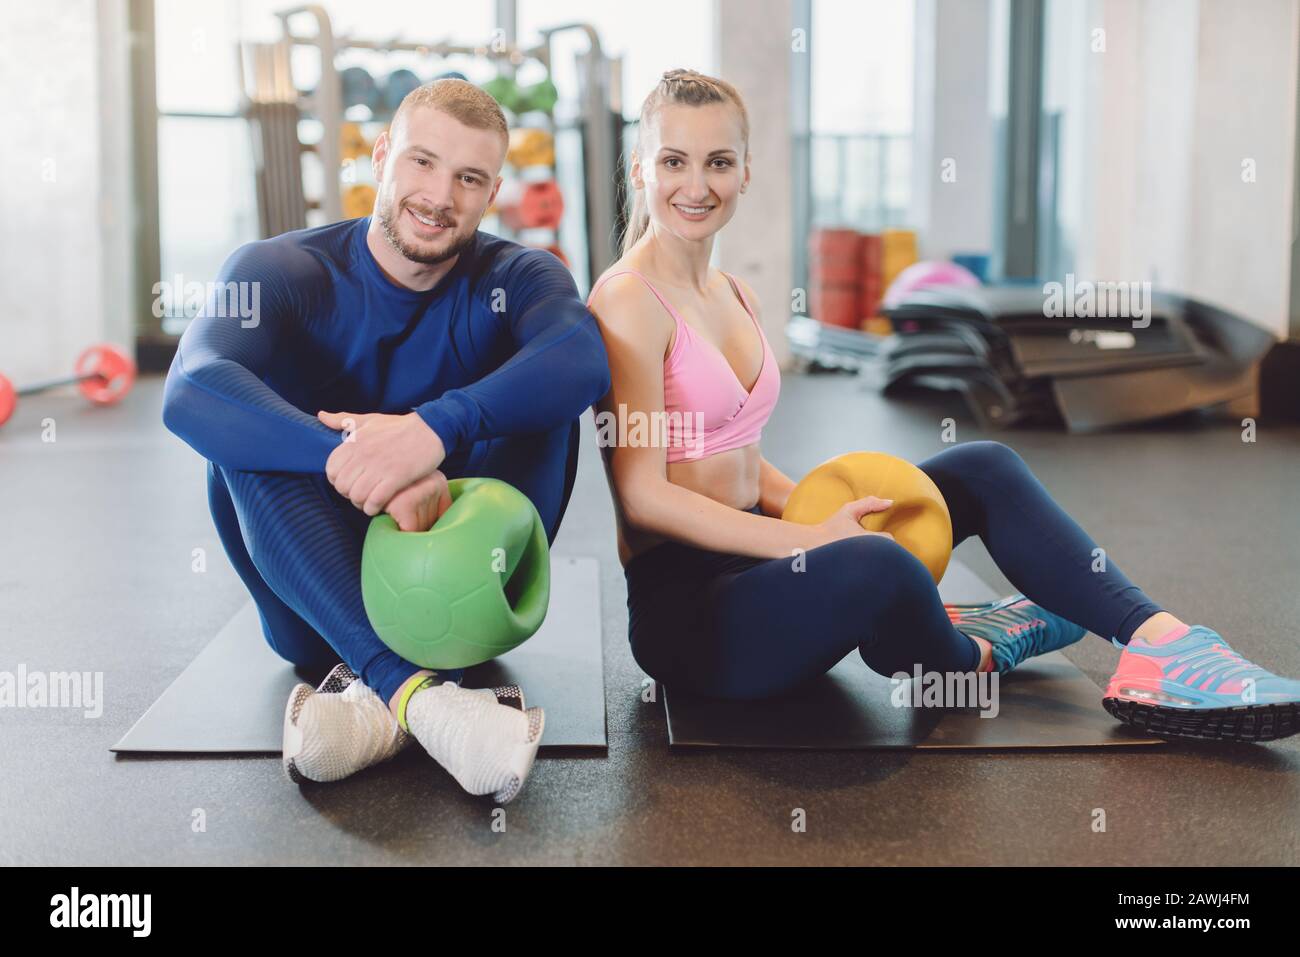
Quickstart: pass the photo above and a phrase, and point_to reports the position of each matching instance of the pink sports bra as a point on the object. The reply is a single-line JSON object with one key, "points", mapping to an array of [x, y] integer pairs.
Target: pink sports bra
{"points": [[707, 408]]}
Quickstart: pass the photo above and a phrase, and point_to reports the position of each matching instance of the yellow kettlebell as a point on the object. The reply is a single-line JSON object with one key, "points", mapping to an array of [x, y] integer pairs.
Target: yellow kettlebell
{"points": [[918, 519]]}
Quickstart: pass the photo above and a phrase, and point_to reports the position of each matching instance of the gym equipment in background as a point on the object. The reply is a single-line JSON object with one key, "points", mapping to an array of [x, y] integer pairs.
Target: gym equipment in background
{"points": [[272, 108], [844, 278], [353, 144], [1013, 364], [918, 519], [977, 263], [530, 205], [360, 89], [470, 588], [590, 132], [898, 251], [397, 85], [871, 286], [834, 268], [540, 97], [103, 373], [530, 147], [928, 275], [358, 201]]}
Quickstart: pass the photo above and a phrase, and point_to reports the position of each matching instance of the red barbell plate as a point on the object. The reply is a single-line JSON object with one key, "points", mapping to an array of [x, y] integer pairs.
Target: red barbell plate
{"points": [[111, 374], [8, 399], [530, 205]]}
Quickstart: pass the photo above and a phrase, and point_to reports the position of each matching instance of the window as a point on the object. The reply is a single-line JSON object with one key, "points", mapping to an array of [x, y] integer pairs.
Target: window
{"points": [[207, 196], [861, 112]]}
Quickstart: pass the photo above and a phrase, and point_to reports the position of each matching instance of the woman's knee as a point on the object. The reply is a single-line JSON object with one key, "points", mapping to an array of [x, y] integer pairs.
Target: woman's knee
{"points": [[863, 567], [956, 470], [984, 455]]}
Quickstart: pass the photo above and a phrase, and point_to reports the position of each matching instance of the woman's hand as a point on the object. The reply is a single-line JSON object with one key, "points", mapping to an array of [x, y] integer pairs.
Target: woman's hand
{"points": [[416, 507], [846, 522]]}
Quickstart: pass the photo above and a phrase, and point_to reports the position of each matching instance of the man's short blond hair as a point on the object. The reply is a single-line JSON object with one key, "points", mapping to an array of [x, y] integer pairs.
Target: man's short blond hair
{"points": [[460, 100]]}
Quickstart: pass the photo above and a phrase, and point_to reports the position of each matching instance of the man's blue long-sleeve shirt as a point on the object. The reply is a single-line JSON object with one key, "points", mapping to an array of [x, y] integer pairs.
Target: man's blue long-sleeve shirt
{"points": [[501, 346]]}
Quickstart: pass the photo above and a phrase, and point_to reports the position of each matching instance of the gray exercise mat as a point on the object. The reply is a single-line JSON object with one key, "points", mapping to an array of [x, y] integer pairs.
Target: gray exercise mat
{"points": [[1045, 703], [231, 698]]}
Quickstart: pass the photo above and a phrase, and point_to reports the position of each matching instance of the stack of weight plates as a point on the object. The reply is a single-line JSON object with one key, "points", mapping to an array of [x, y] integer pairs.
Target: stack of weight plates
{"points": [[1016, 366]]}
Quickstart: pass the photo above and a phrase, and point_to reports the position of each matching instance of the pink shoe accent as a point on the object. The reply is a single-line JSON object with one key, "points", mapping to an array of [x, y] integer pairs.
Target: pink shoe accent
{"points": [[1165, 639], [1135, 671]]}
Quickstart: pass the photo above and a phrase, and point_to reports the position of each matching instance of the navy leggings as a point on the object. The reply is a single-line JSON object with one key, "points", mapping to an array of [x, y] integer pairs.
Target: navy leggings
{"points": [[731, 626], [296, 544]]}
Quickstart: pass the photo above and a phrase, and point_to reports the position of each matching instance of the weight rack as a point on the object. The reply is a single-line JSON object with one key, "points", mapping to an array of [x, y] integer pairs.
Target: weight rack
{"points": [[275, 106]]}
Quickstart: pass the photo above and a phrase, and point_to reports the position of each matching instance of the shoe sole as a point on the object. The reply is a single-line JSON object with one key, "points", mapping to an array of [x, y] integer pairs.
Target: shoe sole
{"points": [[1265, 722]]}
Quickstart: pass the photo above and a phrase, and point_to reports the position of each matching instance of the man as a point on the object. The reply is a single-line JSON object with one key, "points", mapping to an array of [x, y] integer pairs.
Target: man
{"points": [[388, 353]]}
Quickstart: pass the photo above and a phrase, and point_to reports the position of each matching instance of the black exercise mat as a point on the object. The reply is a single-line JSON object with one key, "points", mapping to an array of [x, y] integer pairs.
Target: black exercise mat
{"points": [[1045, 703], [231, 698]]}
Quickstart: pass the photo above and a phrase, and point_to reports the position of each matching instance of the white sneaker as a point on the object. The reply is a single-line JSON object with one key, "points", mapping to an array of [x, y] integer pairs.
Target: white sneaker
{"points": [[338, 729], [343, 727], [488, 746]]}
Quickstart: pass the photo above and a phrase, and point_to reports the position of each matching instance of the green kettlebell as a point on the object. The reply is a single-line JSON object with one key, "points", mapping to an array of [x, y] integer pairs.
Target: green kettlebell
{"points": [[505, 91], [469, 589], [540, 96]]}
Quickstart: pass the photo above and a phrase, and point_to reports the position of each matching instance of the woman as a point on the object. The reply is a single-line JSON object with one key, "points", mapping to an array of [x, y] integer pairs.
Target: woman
{"points": [[717, 604]]}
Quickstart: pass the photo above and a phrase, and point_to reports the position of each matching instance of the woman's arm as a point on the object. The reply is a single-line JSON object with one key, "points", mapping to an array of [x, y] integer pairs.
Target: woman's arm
{"points": [[774, 488], [636, 334]]}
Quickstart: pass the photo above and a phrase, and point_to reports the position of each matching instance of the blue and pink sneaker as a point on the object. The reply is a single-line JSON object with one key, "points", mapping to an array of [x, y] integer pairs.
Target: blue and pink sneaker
{"points": [[1191, 684], [1015, 627]]}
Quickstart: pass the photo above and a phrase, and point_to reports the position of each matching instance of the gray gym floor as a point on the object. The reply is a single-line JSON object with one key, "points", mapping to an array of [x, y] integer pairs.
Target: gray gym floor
{"points": [[98, 531]]}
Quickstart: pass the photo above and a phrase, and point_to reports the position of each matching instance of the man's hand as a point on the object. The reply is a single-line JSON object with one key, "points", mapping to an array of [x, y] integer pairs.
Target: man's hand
{"points": [[380, 456], [416, 507]]}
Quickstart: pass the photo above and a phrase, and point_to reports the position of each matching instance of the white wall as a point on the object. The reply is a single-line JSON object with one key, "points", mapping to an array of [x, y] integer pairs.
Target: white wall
{"points": [[1185, 91], [753, 39], [1239, 233], [64, 228]]}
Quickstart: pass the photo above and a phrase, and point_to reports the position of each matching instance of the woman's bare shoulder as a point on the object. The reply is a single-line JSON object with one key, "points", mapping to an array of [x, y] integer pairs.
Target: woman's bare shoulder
{"points": [[623, 301]]}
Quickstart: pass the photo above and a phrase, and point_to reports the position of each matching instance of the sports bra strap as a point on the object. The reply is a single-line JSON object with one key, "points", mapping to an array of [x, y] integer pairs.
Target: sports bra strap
{"points": [[735, 287], [623, 272]]}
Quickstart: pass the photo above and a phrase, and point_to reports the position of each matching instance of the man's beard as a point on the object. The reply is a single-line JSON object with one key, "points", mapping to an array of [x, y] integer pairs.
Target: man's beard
{"points": [[388, 221]]}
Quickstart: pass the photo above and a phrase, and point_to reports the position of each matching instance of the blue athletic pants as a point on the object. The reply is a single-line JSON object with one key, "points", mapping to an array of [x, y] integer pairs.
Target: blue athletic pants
{"points": [[296, 544], [737, 627]]}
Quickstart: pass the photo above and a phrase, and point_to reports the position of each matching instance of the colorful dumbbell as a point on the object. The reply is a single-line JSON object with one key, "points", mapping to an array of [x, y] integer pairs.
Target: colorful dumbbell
{"points": [[538, 205], [103, 373], [529, 147]]}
